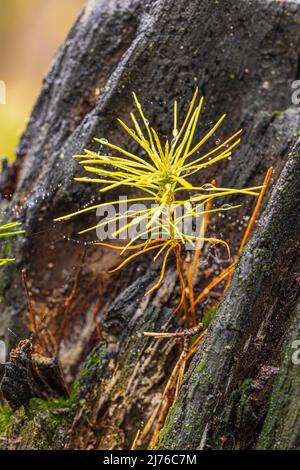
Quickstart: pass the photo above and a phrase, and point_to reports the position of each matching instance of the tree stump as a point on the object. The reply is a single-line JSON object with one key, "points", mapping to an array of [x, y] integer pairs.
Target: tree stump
{"points": [[244, 57]]}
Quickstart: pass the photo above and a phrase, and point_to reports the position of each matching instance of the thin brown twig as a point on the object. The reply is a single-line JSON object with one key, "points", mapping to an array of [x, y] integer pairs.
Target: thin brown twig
{"points": [[179, 334], [99, 334], [183, 301], [250, 224], [168, 386], [160, 422], [256, 209], [195, 344], [69, 301], [30, 307], [174, 377], [215, 282], [49, 341], [166, 400]]}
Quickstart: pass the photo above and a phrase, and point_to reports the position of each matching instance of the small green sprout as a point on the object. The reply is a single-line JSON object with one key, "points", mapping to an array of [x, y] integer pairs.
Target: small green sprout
{"points": [[7, 230]]}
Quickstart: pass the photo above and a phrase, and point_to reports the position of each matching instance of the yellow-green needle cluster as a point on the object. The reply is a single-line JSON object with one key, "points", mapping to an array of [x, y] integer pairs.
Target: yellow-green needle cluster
{"points": [[161, 175], [7, 230]]}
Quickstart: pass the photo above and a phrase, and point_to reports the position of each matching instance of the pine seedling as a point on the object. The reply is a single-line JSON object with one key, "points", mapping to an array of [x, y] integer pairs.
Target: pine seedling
{"points": [[163, 175]]}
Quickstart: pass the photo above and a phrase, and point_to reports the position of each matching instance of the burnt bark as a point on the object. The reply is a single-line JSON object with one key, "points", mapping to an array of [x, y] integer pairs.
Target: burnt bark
{"points": [[244, 56]]}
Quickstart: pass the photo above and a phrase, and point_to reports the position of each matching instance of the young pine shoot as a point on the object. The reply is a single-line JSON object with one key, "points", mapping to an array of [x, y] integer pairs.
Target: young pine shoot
{"points": [[7, 230], [163, 175]]}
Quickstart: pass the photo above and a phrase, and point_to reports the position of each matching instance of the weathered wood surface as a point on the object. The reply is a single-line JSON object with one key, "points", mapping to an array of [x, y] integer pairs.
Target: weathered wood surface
{"points": [[281, 428], [244, 57]]}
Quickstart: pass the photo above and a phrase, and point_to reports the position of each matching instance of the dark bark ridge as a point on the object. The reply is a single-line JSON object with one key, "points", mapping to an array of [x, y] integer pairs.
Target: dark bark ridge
{"points": [[281, 426]]}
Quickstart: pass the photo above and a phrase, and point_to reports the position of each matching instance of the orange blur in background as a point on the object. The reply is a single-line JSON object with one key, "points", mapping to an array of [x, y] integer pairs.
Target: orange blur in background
{"points": [[30, 33]]}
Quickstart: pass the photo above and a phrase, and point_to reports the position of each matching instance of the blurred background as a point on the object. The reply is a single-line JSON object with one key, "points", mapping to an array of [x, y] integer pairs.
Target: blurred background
{"points": [[30, 33]]}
